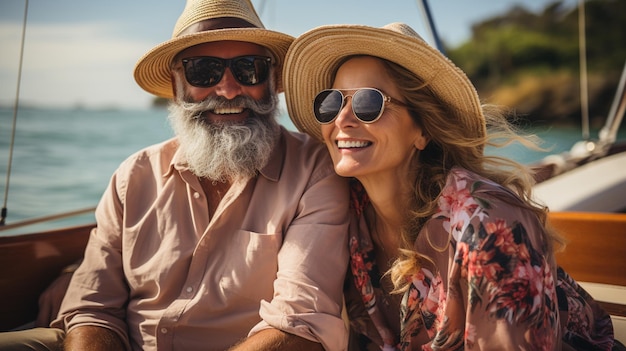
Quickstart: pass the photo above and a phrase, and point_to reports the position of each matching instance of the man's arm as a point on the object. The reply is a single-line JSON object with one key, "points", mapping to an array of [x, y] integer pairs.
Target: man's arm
{"points": [[92, 338], [276, 340]]}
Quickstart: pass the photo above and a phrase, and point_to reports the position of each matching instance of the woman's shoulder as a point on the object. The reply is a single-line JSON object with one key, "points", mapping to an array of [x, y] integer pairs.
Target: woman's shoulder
{"points": [[465, 190], [461, 178], [469, 202]]}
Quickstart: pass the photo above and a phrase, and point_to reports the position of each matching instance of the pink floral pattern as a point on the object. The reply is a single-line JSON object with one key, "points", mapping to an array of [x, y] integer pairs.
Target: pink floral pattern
{"points": [[500, 283]]}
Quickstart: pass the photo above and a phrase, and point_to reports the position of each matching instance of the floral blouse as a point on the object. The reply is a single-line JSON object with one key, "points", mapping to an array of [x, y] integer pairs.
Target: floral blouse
{"points": [[489, 281]]}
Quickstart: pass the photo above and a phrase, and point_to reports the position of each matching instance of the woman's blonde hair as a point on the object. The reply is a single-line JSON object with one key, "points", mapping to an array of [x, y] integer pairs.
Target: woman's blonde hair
{"points": [[449, 146]]}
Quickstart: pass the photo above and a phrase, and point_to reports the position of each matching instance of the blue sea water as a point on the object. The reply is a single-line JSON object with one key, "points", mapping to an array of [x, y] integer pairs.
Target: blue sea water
{"points": [[63, 158]]}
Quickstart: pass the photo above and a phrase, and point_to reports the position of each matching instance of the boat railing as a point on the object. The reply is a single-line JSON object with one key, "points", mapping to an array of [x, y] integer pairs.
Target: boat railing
{"points": [[608, 134], [45, 219]]}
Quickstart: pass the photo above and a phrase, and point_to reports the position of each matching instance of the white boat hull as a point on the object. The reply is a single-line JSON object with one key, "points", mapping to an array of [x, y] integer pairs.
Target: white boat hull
{"points": [[598, 186]]}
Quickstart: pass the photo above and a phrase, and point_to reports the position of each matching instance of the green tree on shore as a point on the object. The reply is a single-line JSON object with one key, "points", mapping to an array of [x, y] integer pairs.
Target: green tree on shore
{"points": [[530, 61]]}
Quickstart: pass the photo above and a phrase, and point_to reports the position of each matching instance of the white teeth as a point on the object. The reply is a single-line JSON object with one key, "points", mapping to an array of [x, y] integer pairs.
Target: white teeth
{"points": [[225, 111], [351, 143]]}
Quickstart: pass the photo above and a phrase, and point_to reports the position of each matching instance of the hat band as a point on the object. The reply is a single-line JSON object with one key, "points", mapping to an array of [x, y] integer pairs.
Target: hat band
{"points": [[216, 23]]}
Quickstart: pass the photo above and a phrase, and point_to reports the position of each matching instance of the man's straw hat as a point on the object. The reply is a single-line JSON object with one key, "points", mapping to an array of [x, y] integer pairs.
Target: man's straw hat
{"points": [[202, 21], [315, 56]]}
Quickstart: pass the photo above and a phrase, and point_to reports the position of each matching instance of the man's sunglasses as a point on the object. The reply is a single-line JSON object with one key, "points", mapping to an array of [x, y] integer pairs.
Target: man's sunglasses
{"points": [[207, 71], [368, 104]]}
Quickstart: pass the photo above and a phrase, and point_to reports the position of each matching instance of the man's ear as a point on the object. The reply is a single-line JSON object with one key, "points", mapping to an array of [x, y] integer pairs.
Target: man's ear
{"points": [[174, 87]]}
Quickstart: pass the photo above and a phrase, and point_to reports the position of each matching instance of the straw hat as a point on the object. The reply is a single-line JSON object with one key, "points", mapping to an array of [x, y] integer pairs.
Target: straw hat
{"points": [[200, 23], [315, 56]]}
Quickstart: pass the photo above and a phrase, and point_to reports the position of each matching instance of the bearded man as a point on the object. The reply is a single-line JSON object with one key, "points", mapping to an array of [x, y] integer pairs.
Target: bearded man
{"points": [[233, 234]]}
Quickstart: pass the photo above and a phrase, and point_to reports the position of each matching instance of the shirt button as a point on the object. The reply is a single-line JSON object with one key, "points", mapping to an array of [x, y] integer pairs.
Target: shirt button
{"points": [[189, 289], [196, 195], [164, 330]]}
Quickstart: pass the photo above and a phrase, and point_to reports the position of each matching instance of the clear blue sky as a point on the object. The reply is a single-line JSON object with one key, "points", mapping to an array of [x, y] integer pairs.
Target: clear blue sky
{"points": [[82, 52]]}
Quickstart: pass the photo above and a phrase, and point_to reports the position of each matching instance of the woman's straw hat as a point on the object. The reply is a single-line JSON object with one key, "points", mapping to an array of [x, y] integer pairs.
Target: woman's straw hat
{"points": [[315, 56], [202, 22]]}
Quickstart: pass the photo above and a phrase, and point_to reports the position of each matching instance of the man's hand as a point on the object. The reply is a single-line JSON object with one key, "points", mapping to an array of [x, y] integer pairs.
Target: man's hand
{"points": [[276, 340], [91, 338]]}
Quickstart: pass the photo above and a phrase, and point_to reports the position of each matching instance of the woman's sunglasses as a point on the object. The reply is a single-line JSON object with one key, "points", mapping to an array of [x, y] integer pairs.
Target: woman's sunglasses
{"points": [[207, 71], [368, 104]]}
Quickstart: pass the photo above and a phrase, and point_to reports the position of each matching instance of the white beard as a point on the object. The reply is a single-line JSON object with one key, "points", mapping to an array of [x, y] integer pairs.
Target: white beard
{"points": [[225, 152]]}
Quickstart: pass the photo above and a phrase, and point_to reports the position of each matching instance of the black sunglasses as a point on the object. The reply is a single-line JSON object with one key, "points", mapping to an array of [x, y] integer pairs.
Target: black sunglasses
{"points": [[207, 71], [368, 104]]}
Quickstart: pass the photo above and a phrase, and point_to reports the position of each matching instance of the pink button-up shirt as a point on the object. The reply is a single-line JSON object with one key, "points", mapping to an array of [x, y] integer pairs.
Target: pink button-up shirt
{"points": [[163, 276]]}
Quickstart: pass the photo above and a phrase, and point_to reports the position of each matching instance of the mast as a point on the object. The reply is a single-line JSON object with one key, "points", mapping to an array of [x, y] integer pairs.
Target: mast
{"points": [[4, 211], [431, 25], [582, 51]]}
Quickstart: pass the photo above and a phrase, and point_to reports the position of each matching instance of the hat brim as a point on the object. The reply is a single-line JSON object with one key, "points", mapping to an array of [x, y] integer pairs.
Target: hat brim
{"points": [[152, 71], [314, 57]]}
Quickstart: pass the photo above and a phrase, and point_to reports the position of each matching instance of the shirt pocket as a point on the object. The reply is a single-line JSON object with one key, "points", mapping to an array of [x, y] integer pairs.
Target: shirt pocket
{"points": [[250, 266]]}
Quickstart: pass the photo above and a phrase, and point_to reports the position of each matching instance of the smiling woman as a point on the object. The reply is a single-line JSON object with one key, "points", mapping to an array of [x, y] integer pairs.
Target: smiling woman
{"points": [[449, 249]]}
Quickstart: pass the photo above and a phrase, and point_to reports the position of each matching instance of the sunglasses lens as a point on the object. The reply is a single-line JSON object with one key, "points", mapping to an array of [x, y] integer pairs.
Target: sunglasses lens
{"points": [[207, 71], [367, 104], [250, 70], [203, 71], [327, 105]]}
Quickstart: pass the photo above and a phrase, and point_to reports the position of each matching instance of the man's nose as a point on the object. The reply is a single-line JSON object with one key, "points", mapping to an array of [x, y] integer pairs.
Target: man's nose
{"points": [[228, 86]]}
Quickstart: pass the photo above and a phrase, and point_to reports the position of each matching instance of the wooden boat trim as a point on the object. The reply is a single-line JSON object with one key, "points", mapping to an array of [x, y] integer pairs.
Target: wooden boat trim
{"points": [[29, 263]]}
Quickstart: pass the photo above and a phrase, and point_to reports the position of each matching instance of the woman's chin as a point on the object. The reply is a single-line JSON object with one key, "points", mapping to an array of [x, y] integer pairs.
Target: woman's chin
{"points": [[346, 171]]}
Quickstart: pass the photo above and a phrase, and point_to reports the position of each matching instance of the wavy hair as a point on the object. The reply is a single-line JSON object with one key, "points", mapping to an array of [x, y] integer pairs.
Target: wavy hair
{"points": [[451, 145]]}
